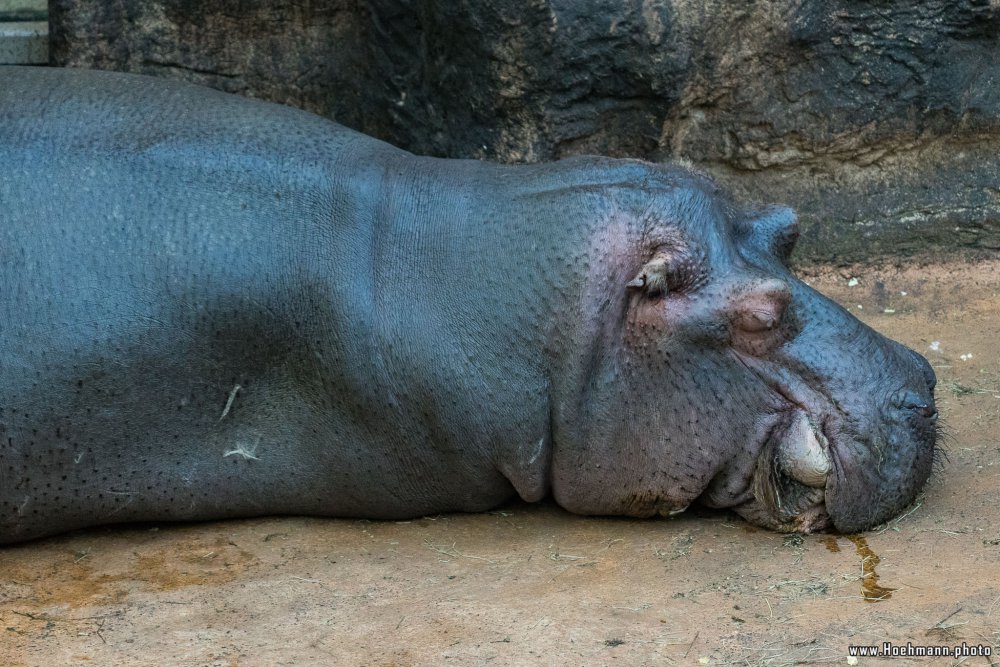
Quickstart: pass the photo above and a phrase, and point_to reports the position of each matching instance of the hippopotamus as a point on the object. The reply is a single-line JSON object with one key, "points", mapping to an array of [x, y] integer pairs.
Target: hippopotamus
{"points": [[216, 307]]}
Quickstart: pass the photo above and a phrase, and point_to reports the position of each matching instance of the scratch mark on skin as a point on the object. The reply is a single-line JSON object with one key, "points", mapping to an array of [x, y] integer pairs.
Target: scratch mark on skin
{"points": [[78, 458], [129, 497], [539, 448], [229, 402], [248, 453]]}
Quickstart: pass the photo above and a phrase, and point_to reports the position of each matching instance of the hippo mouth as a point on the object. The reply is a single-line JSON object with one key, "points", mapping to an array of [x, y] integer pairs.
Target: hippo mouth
{"points": [[791, 475]]}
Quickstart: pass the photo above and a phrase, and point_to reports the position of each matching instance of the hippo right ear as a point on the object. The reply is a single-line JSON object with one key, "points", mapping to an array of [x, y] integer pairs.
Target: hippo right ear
{"points": [[670, 270], [774, 231], [652, 277]]}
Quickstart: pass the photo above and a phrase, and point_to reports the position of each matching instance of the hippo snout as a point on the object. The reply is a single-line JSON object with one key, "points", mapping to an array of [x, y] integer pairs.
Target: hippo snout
{"points": [[880, 452]]}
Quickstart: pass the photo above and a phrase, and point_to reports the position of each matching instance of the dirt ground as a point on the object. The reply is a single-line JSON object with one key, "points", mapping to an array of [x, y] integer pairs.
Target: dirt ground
{"points": [[533, 585]]}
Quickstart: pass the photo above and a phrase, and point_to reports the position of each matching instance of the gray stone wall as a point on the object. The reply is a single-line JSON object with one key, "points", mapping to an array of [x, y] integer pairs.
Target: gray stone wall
{"points": [[878, 121]]}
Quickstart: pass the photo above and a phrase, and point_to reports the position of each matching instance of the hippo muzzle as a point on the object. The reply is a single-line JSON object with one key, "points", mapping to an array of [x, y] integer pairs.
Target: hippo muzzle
{"points": [[834, 462]]}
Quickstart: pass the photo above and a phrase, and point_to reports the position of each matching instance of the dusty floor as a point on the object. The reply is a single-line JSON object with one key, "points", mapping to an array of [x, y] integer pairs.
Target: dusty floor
{"points": [[534, 585]]}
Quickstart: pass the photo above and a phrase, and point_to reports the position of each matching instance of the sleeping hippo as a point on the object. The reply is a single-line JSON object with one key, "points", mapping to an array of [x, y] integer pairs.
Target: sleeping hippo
{"points": [[217, 307]]}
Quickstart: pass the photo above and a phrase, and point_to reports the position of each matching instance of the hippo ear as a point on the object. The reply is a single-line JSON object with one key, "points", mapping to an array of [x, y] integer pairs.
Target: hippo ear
{"points": [[774, 231], [653, 277]]}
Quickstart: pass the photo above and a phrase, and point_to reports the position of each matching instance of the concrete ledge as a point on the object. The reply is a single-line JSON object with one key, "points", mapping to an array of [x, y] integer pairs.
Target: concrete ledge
{"points": [[23, 10], [24, 43]]}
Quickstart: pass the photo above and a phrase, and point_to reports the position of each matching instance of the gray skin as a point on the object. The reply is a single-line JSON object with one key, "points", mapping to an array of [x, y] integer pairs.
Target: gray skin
{"points": [[216, 307]]}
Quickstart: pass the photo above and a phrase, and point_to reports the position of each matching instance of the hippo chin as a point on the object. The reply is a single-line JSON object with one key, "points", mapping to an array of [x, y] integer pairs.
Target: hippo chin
{"points": [[216, 307]]}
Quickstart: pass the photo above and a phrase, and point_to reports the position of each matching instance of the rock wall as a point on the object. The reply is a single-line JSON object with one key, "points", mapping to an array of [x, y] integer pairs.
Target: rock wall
{"points": [[878, 121]]}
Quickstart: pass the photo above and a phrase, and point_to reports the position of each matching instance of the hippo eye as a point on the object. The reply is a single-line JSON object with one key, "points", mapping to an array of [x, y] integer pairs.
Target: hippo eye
{"points": [[774, 231]]}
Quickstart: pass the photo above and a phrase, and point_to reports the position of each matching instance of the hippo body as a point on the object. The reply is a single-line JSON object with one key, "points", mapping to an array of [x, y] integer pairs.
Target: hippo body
{"points": [[216, 307]]}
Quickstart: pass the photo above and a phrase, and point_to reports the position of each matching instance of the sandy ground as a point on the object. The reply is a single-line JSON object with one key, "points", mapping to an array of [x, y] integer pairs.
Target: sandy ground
{"points": [[533, 585]]}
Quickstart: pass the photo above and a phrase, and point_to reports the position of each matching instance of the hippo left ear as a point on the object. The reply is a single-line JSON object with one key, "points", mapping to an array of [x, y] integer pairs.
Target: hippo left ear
{"points": [[774, 231]]}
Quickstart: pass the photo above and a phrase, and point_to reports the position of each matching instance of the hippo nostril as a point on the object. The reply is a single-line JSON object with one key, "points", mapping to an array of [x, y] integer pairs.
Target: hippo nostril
{"points": [[914, 402], [924, 410]]}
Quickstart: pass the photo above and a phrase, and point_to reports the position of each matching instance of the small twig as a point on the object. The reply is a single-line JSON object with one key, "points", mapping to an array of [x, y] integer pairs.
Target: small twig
{"points": [[691, 645], [994, 604], [941, 622], [453, 552], [894, 524], [48, 618], [34, 617], [229, 402], [770, 610]]}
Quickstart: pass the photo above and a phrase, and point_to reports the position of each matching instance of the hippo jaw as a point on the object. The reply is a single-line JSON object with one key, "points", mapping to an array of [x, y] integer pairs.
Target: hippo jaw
{"points": [[819, 469], [792, 473], [789, 482]]}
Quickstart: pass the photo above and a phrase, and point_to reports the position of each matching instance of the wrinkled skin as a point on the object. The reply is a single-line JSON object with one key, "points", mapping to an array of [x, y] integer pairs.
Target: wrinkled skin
{"points": [[215, 307]]}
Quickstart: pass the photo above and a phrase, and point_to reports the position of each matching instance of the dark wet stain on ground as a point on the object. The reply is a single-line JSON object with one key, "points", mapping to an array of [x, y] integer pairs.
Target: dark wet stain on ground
{"points": [[870, 590], [830, 541], [107, 575]]}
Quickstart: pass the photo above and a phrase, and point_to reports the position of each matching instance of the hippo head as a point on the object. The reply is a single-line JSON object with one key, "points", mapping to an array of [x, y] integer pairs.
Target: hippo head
{"points": [[711, 374]]}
